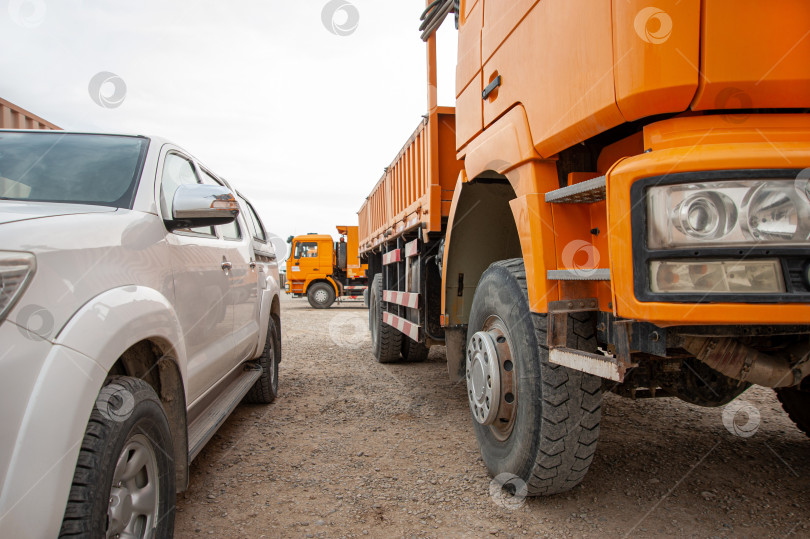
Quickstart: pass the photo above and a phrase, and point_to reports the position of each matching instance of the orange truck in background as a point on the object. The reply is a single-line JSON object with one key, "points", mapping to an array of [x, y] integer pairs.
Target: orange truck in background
{"points": [[324, 271], [619, 201]]}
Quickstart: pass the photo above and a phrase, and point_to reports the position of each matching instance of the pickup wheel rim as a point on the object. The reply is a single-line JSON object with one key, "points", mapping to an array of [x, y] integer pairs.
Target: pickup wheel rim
{"points": [[134, 499], [491, 384]]}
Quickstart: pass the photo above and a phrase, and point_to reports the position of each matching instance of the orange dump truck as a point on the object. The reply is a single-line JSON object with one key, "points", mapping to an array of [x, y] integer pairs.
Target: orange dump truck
{"points": [[618, 202], [324, 271]]}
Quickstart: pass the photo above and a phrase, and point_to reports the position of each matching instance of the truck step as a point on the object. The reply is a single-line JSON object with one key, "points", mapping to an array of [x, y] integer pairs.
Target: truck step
{"points": [[405, 299], [596, 364], [585, 192], [409, 329], [595, 274]]}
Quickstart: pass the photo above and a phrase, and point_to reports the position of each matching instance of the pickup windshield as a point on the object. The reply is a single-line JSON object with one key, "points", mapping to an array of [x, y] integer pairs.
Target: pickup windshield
{"points": [[74, 168]]}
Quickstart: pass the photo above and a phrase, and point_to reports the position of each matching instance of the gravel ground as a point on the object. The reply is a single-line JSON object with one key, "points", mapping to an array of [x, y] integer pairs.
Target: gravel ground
{"points": [[355, 448]]}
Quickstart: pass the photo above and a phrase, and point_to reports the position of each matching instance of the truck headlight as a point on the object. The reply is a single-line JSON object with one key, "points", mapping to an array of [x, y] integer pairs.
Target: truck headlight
{"points": [[729, 213], [16, 270], [716, 276]]}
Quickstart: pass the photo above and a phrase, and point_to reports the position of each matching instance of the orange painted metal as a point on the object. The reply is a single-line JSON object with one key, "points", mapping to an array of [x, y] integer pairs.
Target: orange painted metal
{"points": [[14, 117], [748, 148], [755, 55], [656, 50], [417, 186]]}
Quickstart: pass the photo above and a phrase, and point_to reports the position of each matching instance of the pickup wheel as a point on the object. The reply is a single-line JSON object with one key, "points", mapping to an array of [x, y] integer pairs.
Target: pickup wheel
{"points": [[533, 419], [413, 351], [796, 402], [124, 479], [321, 295], [385, 340], [265, 390]]}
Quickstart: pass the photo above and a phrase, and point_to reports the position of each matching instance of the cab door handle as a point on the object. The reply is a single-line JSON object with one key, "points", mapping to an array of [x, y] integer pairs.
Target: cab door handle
{"points": [[226, 266], [252, 264]]}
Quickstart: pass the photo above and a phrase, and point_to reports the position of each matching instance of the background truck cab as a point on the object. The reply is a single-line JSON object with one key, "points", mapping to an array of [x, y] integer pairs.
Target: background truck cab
{"points": [[323, 270]]}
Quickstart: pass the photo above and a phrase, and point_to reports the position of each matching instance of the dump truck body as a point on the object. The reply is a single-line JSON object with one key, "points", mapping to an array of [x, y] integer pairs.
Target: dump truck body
{"points": [[626, 208]]}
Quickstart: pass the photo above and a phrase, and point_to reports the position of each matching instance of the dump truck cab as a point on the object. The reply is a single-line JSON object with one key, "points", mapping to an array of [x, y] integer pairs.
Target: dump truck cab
{"points": [[325, 270], [626, 208]]}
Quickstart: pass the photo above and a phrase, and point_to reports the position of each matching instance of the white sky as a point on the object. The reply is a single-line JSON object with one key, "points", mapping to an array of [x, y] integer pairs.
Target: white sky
{"points": [[300, 120]]}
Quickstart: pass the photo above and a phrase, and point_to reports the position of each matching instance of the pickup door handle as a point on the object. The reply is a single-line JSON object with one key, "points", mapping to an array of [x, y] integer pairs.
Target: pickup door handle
{"points": [[226, 266], [491, 87]]}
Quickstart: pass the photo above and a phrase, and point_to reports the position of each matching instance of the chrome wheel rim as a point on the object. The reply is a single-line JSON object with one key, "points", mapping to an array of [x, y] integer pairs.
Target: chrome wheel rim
{"points": [[321, 296], [134, 495], [491, 381]]}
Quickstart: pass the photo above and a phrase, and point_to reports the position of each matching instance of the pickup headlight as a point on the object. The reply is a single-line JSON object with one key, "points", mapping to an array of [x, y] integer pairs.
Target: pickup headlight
{"points": [[16, 270], [729, 213]]}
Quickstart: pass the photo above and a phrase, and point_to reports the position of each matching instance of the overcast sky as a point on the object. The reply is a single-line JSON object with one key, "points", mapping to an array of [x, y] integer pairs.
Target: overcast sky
{"points": [[299, 109]]}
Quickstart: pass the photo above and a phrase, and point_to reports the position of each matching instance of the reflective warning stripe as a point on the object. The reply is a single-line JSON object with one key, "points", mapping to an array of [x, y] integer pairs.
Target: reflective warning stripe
{"points": [[406, 328], [411, 249], [401, 298], [392, 256]]}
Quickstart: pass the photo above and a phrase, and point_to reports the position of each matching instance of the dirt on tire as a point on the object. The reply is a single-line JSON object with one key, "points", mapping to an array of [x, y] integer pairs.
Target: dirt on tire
{"points": [[356, 448]]}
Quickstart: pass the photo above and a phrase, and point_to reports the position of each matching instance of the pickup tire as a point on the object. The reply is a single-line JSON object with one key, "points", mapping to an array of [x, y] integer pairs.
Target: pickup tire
{"points": [[548, 438], [265, 390], [386, 341], [796, 402], [321, 295], [413, 351], [124, 483]]}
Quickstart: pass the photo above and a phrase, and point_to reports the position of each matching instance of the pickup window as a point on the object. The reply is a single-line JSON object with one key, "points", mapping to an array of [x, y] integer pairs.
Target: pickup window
{"points": [[101, 170]]}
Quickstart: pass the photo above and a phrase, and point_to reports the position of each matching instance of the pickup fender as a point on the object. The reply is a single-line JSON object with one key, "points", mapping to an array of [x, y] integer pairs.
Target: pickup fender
{"points": [[128, 315]]}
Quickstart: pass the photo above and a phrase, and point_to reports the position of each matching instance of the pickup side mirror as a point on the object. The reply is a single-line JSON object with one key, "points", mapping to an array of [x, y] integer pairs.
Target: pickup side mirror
{"points": [[197, 205]]}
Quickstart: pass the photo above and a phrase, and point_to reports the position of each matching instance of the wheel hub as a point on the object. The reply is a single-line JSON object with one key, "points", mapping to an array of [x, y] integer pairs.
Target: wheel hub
{"points": [[134, 496], [321, 296], [483, 378]]}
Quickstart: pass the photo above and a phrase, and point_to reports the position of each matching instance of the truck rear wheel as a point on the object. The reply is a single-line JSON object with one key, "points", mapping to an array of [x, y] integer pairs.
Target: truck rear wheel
{"points": [[796, 402], [413, 351], [385, 340], [321, 295], [533, 419]]}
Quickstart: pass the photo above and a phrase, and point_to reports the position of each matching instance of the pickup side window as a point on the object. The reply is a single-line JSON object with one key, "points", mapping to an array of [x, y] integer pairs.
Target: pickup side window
{"points": [[177, 171], [231, 231], [257, 223]]}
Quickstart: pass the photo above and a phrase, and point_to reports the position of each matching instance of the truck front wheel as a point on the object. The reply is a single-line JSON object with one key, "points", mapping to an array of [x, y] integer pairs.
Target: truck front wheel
{"points": [[796, 402], [533, 419], [321, 295]]}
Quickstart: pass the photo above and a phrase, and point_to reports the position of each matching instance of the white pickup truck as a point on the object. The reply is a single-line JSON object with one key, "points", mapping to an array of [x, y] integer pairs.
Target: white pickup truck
{"points": [[139, 304]]}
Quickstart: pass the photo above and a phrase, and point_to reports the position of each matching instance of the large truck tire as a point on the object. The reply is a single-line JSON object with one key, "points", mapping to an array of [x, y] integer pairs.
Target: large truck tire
{"points": [[796, 402], [546, 424], [413, 351], [265, 390], [385, 340], [365, 298], [321, 295], [124, 479]]}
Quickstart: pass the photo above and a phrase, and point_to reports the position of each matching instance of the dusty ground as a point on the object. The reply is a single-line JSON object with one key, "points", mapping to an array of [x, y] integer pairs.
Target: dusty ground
{"points": [[356, 448]]}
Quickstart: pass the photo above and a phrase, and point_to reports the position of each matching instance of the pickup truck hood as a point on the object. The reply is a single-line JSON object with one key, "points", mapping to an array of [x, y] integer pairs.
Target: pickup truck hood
{"points": [[14, 210]]}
